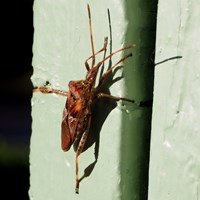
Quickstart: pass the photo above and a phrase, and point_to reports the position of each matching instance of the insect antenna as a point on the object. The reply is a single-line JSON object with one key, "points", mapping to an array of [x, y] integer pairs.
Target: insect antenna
{"points": [[91, 36]]}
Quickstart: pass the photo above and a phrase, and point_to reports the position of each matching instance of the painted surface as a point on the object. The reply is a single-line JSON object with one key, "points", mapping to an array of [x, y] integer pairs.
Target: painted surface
{"points": [[61, 45], [175, 149]]}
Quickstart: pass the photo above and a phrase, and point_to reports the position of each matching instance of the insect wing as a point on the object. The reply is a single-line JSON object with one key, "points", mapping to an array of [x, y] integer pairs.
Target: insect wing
{"points": [[71, 115], [74, 116], [66, 140]]}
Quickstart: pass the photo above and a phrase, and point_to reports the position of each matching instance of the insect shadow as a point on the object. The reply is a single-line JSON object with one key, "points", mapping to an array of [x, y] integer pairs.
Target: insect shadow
{"points": [[100, 109]]}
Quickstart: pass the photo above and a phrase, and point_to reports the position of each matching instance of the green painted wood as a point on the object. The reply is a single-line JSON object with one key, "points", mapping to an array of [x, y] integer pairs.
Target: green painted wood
{"points": [[122, 130], [175, 161], [136, 126]]}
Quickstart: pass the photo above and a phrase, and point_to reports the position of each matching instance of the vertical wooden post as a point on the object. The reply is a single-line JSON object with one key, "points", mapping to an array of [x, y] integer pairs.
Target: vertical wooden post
{"points": [[61, 45]]}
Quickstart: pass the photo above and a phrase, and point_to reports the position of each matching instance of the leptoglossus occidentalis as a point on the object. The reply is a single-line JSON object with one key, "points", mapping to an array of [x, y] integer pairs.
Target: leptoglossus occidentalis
{"points": [[81, 95]]}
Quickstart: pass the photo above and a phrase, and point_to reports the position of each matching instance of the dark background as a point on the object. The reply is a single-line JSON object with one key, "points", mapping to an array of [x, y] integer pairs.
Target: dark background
{"points": [[15, 101]]}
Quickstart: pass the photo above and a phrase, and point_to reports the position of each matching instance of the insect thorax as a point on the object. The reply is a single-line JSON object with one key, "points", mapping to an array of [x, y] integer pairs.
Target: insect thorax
{"points": [[80, 89]]}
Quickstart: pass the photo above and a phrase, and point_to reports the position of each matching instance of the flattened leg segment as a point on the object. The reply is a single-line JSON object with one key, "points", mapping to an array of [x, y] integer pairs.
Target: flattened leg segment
{"points": [[79, 150]]}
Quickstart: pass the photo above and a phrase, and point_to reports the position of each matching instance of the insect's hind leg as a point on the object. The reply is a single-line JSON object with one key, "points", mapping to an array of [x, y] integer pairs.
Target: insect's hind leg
{"points": [[47, 90], [79, 150]]}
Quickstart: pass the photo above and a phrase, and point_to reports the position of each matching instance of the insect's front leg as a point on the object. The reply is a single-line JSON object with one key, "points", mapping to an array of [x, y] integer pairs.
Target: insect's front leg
{"points": [[147, 103], [102, 49], [111, 68], [100, 95], [80, 149]]}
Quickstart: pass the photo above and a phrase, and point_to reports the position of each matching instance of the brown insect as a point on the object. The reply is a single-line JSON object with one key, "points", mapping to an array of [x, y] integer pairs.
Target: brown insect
{"points": [[81, 95]]}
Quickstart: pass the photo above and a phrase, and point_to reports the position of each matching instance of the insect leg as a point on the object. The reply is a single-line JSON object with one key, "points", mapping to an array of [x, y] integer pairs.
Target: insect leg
{"points": [[119, 50], [47, 90], [143, 104], [102, 49], [91, 36], [100, 95], [80, 149], [111, 68]]}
